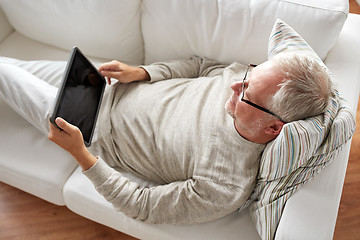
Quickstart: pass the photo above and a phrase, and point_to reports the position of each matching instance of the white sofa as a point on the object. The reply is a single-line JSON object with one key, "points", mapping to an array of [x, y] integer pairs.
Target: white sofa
{"points": [[139, 32]]}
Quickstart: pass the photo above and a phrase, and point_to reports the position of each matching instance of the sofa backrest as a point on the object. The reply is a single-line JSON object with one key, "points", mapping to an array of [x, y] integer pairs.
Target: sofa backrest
{"points": [[101, 28], [235, 30], [146, 31], [5, 27]]}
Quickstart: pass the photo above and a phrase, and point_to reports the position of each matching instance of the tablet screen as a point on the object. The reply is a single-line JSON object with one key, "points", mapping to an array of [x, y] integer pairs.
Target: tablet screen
{"points": [[80, 97]]}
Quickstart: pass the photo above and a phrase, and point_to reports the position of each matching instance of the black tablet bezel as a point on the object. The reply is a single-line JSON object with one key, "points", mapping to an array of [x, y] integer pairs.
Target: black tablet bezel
{"points": [[76, 52]]}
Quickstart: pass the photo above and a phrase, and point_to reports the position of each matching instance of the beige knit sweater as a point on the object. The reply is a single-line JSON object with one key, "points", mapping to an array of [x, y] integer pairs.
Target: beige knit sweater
{"points": [[177, 133]]}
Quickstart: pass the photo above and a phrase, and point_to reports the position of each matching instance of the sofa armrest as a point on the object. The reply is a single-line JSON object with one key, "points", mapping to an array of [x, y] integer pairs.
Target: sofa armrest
{"points": [[311, 212], [344, 61], [5, 27]]}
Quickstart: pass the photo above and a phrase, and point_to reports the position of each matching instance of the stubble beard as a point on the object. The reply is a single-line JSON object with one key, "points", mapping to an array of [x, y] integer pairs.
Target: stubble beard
{"points": [[227, 109]]}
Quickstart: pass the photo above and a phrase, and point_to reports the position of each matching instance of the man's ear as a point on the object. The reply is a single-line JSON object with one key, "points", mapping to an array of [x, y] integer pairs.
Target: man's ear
{"points": [[274, 128]]}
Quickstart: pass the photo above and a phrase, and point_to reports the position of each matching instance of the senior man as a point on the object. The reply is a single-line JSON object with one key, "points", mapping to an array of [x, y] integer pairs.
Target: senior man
{"points": [[167, 123]]}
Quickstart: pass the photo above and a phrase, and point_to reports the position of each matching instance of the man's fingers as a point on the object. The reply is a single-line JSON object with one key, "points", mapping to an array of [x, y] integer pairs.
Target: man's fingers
{"points": [[54, 132], [65, 125], [110, 74], [110, 66], [52, 126]]}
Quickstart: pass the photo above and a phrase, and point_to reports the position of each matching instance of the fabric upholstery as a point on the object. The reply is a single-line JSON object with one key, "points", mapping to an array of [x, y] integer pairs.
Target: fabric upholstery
{"points": [[233, 31], [104, 29]]}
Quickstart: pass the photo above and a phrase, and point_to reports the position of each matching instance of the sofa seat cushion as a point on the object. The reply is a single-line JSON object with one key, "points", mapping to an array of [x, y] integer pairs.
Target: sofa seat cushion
{"points": [[18, 46], [29, 160]]}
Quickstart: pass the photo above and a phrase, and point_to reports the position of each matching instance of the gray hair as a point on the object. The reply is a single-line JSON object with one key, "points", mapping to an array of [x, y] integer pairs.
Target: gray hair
{"points": [[305, 89]]}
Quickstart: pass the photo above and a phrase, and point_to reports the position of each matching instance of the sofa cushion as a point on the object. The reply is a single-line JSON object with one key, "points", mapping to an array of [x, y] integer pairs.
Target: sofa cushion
{"points": [[303, 147], [5, 27], [230, 31], [19, 46], [29, 161], [106, 29]]}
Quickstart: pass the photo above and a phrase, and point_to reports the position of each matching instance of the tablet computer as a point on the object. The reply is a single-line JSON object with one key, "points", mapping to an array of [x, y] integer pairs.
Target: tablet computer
{"points": [[79, 96]]}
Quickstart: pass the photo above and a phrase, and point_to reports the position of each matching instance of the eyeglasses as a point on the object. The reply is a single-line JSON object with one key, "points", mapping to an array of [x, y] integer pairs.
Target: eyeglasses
{"points": [[249, 68]]}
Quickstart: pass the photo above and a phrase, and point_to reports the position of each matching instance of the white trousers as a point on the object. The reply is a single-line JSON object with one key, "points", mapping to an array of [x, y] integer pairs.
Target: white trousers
{"points": [[30, 88]]}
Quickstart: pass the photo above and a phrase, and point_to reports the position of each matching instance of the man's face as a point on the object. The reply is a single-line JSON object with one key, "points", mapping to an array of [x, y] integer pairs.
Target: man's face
{"points": [[262, 82]]}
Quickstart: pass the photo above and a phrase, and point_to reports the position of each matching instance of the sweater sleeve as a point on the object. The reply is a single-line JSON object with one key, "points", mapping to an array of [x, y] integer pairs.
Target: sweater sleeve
{"points": [[190, 201], [188, 68]]}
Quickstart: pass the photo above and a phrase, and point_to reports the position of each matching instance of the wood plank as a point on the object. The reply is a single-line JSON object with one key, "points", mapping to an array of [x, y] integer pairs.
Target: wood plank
{"points": [[23, 216], [354, 7]]}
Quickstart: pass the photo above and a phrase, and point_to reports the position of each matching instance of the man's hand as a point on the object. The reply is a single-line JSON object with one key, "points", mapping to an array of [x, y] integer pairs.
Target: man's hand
{"points": [[70, 138], [122, 72]]}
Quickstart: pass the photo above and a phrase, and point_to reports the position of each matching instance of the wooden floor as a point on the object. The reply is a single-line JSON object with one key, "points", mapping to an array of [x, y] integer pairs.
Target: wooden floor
{"points": [[348, 221], [25, 217]]}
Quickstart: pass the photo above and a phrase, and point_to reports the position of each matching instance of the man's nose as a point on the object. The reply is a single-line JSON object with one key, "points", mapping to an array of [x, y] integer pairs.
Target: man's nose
{"points": [[237, 86]]}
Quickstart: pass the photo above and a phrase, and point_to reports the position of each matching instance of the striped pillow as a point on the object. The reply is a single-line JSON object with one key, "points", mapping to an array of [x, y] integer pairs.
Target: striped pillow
{"points": [[301, 150], [285, 39]]}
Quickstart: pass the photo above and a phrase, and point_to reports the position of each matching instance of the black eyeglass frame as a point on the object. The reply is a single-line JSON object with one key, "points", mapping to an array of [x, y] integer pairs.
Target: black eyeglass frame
{"points": [[251, 103]]}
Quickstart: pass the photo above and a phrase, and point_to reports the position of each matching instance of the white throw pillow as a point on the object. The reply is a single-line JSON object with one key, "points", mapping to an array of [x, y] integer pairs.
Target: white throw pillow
{"points": [[100, 28]]}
